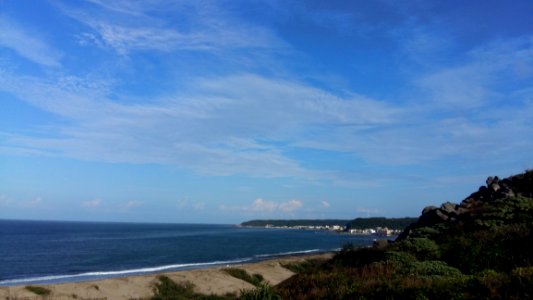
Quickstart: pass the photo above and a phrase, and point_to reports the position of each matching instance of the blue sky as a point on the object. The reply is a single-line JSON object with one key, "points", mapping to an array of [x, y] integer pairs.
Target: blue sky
{"points": [[224, 111]]}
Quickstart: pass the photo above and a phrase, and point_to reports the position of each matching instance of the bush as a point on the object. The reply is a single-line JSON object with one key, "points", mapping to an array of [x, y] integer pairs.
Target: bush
{"points": [[241, 274], [400, 258], [263, 292], [307, 265], [38, 290], [168, 289], [421, 248], [357, 257], [431, 268]]}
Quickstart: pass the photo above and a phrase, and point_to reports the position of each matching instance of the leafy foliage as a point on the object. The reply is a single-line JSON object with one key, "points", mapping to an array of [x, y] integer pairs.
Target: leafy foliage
{"points": [[255, 279], [483, 252], [262, 292], [293, 223], [358, 223], [38, 290], [421, 248], [391, 223], [167, 289]]}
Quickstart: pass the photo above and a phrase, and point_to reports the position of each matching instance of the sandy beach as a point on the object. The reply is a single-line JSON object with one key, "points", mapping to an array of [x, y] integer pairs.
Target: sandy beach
{"points": [[206, 281]]}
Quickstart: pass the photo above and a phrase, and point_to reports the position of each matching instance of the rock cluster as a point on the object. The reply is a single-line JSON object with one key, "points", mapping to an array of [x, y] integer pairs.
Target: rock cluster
{"points": [[494, 189]]}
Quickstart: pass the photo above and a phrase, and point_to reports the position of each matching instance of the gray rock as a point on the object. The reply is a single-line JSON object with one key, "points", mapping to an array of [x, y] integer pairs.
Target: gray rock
{"points": [[427, 209], [441, 215], [494, 186], [448, 207]]}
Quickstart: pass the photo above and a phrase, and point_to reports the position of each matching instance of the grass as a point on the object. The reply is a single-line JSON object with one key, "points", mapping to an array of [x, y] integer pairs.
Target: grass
{"points": [[38, 290], [255, 279], [307, 265], [167, 289], [262, 292]]}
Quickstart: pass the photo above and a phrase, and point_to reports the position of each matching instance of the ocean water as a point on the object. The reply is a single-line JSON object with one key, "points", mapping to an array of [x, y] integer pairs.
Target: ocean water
{"points": [[49, 252]]}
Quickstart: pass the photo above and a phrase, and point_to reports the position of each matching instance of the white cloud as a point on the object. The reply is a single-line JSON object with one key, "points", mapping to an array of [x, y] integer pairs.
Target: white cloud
{"points": [[208, 28], [34, 203], [27, 45], [5, 200], [215, 130], [199, 206], [92, 203], [182, 203], [260, 205], [368, 211], [130, 204], [290, 206], [266, 207], [325, 204]]}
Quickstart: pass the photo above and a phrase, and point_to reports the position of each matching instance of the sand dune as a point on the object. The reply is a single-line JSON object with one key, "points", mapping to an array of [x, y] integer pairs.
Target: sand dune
{"points": [[206, 281]]}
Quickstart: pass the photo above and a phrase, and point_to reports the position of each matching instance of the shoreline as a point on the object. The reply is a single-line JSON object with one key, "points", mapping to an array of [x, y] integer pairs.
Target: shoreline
{"points": [[207, 280], [100, 275]]}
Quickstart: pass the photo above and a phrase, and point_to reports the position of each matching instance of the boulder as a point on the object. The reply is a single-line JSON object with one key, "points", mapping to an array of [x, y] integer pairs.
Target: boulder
{"points": [[427, 209], [448, 208], [441, 216], [489, 180]]}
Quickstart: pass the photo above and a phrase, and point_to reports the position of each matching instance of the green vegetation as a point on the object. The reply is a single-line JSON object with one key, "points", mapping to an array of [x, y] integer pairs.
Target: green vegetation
{"points": [[358, 223], [294, 223], [255, 279], [262, 292], [307, 265], [391, 223], [167, 289], [480, 249], [38, 290]]}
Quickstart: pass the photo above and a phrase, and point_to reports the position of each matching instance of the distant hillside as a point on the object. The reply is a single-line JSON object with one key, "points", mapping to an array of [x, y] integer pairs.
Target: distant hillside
{"points": [[391, 223], [358, 223], [481, 248], [294, 223]]}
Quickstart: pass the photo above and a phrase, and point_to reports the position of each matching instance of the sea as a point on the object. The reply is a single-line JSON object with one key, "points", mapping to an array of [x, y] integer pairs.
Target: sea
{"points": [[40, 252]]}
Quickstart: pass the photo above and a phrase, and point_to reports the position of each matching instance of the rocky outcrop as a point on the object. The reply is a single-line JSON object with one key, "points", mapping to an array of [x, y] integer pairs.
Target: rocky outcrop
{"points": [[494, 189]]}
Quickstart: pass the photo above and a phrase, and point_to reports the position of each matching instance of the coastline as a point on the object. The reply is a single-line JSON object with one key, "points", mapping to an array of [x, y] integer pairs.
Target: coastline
{"points": [[208, 280]]}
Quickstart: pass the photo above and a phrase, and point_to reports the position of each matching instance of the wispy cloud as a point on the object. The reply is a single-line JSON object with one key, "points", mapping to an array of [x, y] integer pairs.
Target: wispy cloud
{"points": [[129, 205], [213, 129], [27, 44], [290, 206], [367, 212], [33, 203], [206, 28], [5, 200], [260, 205], [92, 203], [266, 207]]}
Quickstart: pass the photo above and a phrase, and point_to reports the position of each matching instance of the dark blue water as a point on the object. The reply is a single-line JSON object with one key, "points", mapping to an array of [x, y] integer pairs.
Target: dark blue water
{"points": [[43, 251]]}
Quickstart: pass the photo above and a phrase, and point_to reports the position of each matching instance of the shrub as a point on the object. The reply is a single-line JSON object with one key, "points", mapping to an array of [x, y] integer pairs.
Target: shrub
{"points": [[307, 265], [38, 290], [262, 292], [168, 289], [254, 279], [431, 268], [401, 258], [357, 257], [421, 248]]}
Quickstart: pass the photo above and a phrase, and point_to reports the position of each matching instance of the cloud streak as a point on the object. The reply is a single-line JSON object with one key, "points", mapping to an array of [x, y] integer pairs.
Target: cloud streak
{"points": [[27, 45], [261, 206], [208, 28]]}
